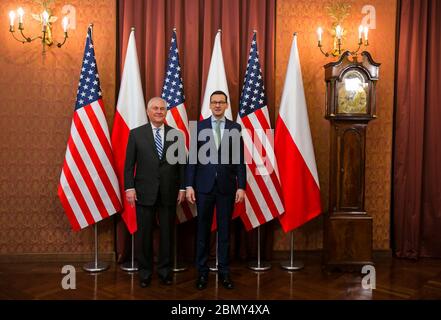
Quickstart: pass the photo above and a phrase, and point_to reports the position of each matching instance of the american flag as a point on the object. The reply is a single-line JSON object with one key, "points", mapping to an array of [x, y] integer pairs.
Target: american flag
{"points": [[88, 187], [263, 196], [173, 93]]}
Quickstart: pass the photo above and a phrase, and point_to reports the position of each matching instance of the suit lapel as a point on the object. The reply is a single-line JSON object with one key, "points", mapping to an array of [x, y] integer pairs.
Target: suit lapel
{"points": [[228, 125], [166, 143], [210, 126], [151, 140]]}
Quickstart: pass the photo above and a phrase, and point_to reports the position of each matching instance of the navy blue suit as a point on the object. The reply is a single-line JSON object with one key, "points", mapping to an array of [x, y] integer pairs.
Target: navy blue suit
{"points": [[215, 181]]}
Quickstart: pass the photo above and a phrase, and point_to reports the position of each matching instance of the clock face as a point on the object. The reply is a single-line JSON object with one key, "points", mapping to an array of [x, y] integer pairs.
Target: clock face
{"points": [[352, 93]]}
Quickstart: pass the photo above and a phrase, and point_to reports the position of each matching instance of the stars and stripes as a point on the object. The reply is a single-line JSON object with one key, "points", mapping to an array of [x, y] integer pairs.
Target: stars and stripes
{"points": [[173, 93], [88, 187], [263, 196]]}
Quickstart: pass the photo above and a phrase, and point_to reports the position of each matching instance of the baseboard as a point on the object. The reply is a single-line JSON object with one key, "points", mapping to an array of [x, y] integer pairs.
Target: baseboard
{"points": [[284, 255], [55, 257], [110, 256]]}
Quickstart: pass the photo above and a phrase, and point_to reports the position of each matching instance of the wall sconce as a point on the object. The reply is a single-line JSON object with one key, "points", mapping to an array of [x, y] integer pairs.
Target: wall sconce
{"points": [[337, 50], [46, 19]]}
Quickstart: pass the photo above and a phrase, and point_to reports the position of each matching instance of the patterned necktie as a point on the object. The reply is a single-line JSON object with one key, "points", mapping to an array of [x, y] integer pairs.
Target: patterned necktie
{"points": [[218, 133], [158, 142]]}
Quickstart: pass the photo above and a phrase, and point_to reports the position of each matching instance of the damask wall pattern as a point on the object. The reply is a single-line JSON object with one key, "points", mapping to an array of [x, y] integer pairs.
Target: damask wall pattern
{"points": [[303, 17], [37, 95]]}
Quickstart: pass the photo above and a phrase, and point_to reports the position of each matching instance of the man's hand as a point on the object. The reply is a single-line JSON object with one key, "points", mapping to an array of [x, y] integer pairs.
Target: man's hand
{"points": [[190, 195], [240, 195], [131, 197], [181, 196]]}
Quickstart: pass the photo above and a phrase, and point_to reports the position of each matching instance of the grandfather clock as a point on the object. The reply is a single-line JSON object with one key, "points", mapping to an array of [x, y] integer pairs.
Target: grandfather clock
{"points": [[350, 105]]}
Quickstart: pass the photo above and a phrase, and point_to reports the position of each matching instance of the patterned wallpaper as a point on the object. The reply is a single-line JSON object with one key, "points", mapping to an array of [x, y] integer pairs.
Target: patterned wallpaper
{"points": [[303, 17], [37, 95]]}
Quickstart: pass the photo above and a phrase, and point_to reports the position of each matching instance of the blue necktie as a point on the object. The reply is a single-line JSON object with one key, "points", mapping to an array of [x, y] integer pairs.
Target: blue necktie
{"points": [[158, 142]]}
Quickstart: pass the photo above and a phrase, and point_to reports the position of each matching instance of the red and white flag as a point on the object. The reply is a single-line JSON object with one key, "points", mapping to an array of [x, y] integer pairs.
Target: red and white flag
{"points": [[173, 93], [294, 151], [263, 200], [216, 80], [130, 114], [88, 187]]}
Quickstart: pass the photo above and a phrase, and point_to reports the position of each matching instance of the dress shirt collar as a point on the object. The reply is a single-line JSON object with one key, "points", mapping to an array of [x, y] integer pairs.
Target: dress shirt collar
{"points": [[154, 128], [213, 119]]}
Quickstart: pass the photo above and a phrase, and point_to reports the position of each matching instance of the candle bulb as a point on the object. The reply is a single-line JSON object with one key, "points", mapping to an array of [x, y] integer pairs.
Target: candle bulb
{"points": [[338, 31], [319, 34], [20, 12], [11, 18], [360, 30], [65, 24], [45, 17], [366, 30]]}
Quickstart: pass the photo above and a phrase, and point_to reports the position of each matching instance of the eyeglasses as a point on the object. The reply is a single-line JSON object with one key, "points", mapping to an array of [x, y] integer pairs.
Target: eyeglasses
{"points": [[156, 108], [221, 103]]}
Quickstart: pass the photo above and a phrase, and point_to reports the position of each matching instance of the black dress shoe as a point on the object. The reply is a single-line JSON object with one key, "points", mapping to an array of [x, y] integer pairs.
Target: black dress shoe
{"points": [[226, 282], [143, 283], [167, 280], [201, 282]]}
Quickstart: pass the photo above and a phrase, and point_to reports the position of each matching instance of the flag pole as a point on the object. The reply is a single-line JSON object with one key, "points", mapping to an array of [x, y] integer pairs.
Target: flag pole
{"points": [[131, 266], [96, 266], [292, 265], [213, 268], [177, 267], [259, 265]]}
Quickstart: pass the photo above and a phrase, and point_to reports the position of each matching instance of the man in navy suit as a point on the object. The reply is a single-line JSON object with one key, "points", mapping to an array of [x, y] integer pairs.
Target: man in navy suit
{"points": [[215, 178]]}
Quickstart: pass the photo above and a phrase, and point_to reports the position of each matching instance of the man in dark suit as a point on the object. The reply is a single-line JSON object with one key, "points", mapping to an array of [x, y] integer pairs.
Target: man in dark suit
{"points": [[215, 178], [154, 182]]}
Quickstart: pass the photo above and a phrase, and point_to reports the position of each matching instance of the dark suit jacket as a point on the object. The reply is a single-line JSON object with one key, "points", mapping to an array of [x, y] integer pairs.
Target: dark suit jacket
{"points": [[231, 175], [145, 172]]}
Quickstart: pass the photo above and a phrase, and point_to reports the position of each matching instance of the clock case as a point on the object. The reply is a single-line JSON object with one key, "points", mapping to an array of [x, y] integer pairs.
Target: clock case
{"points": [[348, 233]]}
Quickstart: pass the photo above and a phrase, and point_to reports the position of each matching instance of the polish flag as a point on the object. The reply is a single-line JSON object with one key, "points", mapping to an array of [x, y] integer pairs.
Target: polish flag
{"points": [[294, 151], [130, 114], [216, 80]]}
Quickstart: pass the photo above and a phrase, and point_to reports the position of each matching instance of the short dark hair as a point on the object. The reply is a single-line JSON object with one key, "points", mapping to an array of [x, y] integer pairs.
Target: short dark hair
{"points": [[220, 92]]}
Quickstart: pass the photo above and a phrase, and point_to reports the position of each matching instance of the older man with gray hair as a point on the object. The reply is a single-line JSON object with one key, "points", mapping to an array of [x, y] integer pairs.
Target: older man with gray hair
{"points": [[154, 183]]}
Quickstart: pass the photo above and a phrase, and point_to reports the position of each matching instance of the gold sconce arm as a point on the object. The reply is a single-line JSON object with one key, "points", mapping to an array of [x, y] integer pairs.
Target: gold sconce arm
{"points": [[59, 45], [338, 50], [45, 19]]}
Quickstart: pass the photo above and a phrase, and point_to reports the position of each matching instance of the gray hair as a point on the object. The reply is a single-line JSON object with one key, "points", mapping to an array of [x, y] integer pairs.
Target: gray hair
{"points": [[155, 99]]}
